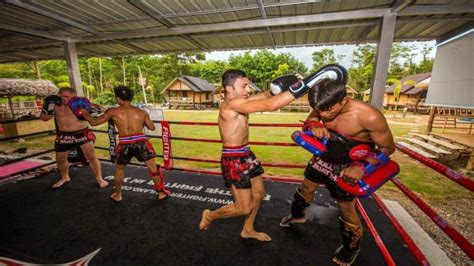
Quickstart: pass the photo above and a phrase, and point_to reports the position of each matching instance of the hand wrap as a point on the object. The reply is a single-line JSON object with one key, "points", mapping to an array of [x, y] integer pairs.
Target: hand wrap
{"points": [[375, 175]]}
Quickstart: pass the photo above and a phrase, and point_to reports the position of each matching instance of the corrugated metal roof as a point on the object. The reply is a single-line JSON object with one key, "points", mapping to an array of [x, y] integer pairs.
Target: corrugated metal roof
{"points": [[36, 29]]}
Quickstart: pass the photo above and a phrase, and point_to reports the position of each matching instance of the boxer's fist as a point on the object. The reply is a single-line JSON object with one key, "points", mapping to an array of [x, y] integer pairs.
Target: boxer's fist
{"points": [[49, 103], [79, 103], [282, 84], [352, 174]]}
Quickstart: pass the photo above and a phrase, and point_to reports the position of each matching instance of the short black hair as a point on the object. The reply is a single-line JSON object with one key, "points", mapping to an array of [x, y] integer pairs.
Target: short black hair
{"points": [[327, 93], [229, 77], [66, 89], [124, 93]]}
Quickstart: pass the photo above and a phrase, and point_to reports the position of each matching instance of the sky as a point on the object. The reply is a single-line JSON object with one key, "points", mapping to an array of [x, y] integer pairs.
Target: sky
{"points": [[303, 54]]}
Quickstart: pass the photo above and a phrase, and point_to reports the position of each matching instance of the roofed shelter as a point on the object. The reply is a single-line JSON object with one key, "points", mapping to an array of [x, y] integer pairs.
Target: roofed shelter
{"points": [[71, 28], [24, 87], [188, 91]]}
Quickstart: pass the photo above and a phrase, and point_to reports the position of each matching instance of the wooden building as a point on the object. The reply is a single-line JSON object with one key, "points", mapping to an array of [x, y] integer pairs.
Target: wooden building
{"points": [[189, 93], [413, 91]]}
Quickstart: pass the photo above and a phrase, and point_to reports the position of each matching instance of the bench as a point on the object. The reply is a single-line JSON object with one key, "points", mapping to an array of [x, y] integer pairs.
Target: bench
{"points": [[441, 142], [428, 146], [418, 150]]}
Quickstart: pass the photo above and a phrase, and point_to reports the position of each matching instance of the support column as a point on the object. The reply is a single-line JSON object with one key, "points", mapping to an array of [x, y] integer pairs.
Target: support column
{"points": [[73, 71], [382, 59], [429, 128]]}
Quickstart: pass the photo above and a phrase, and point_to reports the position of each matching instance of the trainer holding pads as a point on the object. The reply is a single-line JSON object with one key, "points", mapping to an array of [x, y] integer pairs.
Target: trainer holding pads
{"points": [[130, 121], [353, 130], [71, 134]]}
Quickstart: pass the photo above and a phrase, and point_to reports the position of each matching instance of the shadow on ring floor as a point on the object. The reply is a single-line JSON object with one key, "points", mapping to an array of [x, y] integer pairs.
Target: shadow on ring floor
{"points": [[45, 226]]}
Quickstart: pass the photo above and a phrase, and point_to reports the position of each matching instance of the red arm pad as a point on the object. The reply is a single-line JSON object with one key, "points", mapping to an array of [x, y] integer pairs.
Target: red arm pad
{"points": [[306, 140], [371, 182]]}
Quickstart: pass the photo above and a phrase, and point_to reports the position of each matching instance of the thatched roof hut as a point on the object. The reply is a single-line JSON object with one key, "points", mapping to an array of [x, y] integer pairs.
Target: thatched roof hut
{"points": [[26, 87]]}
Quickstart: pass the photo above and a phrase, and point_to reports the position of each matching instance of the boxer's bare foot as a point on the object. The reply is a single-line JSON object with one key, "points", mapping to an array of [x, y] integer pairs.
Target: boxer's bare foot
{"points": [[102, 183], [260, 236], [61, 182], [116, 197], [205, 222], [163, 194]]}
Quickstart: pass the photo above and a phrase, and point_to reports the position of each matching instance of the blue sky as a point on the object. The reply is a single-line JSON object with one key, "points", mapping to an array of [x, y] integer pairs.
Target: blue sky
{"points": [[304, 53]]}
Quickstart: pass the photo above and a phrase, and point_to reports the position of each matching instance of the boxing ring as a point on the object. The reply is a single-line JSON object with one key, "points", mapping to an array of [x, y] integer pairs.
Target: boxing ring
{"points": [[78, 223]]}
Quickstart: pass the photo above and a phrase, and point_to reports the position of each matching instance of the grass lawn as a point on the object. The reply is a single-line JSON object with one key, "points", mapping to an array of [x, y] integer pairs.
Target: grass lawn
{"points": [[427, 183]]}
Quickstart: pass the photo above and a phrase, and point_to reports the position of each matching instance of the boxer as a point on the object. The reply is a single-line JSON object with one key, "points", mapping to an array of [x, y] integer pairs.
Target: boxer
{"points": [[352, 130], [130, 121], [71, 133], [241, 169]]}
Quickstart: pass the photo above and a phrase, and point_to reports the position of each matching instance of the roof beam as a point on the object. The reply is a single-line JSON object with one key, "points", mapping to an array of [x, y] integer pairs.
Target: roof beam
{"points": [[81, 26], [33, 32], [51, 15], [145, 8], [436, 9], [239, 25], [463, 28], [309, 28], [238, 8], [264, 15], [399, 5]]}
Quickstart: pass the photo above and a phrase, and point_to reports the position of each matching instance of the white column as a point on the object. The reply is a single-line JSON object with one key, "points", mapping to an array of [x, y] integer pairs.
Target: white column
{"points": [[73, 71], [382, 59]]}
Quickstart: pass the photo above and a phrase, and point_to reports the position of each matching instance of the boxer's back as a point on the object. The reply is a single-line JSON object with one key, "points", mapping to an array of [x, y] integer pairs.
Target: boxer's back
{"points": [[129, 119]]}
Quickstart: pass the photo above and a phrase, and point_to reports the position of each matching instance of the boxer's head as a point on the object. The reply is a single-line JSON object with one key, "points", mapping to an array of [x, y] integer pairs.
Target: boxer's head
{"points": [[236, 83], [328, 97], [66, 93], [123, 94]]}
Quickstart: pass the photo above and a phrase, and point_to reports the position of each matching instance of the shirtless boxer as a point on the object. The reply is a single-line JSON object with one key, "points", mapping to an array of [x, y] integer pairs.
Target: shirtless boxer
{"points": [[240, 168], [351, 128], [72, 133], [130, 121]]}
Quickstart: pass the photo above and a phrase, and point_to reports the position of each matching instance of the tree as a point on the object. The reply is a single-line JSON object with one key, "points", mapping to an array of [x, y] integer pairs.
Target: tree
{"points": [[209, 70], [322, 58], [361, 70], [263, 66]]}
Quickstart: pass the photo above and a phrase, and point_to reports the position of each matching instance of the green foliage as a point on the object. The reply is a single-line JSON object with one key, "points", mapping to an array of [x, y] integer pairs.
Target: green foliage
{"points": [[360, 74], [106, 98], [263, 66], [322, 58]]}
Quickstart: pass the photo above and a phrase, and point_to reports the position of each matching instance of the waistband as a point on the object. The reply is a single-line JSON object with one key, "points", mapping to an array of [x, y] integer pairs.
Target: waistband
{"points": [[126, 139], [59, 132], [235, 150]]}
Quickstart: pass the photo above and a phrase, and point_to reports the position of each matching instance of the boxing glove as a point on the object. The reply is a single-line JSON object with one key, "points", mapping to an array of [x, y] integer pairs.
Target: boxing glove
{"points": [[49, 103], [78, 103], [332, 71], [282, 83]]}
